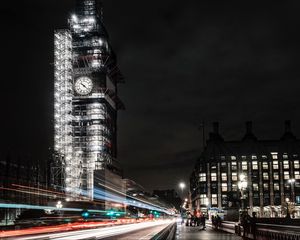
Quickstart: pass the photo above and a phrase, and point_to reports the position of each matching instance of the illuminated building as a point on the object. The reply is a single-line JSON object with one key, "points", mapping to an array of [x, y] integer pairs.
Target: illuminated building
{"points": [[86, 101], [271, 169]]}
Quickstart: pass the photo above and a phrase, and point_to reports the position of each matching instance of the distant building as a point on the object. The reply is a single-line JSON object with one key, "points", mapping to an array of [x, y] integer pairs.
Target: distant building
{"points": [[271, 169], [170, 196]]}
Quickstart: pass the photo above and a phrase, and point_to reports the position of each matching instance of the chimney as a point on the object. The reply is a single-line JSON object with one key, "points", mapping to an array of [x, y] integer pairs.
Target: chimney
{"points": [[216, 128], [287, 125], [249, 127]]}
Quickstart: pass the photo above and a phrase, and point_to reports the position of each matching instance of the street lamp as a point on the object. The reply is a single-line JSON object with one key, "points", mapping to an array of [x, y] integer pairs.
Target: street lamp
{"points": [[59, 206], [287, 200], [242, 185], [292, 182], [182, 186]]}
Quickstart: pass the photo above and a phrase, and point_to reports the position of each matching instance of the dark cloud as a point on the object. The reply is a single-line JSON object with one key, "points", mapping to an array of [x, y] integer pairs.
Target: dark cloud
{"points": [[184, 62]]}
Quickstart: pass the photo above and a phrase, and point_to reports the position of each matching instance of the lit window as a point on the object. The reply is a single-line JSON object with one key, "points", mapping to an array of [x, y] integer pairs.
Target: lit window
{"points": [[214, 199], [297, 174], [234, 187], [286, 164], [276, 186], [214, 176], [253, 157], [274, 155], [202, 177], [233, 157], [266, 186], [255, 187], [286, 175], [224, 187], [243, 157], [203, 199], [233, 166], [284, 156], [254, 165], [244, 166], [276, 176], [296, 164], [234, 176], [266, 176], [224, 177], [264, 156], [265, 165], [275, 164]]}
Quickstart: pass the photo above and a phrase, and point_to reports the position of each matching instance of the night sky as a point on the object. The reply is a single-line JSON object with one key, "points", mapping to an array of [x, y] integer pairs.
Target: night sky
{"points": [[184, 62]]}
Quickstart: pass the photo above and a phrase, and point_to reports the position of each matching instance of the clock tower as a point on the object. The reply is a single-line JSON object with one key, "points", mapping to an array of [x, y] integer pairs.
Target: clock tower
{"points": [[86, 101]]}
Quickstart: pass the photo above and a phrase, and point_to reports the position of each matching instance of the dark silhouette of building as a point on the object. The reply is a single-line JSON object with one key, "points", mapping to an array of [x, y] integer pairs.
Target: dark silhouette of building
{"points": [[170, 196]]}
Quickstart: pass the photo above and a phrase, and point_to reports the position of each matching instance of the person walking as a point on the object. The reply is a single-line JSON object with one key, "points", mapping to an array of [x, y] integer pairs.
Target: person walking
{"points": [[203, 219]]}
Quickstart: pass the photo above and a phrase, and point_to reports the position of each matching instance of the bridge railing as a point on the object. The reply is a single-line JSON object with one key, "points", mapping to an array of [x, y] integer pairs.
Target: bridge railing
{"points": [[263, 231], [167, 233]]}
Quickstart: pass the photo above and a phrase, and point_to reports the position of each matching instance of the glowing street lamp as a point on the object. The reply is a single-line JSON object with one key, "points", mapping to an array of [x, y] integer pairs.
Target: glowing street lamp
{"points": [[242, 185]]}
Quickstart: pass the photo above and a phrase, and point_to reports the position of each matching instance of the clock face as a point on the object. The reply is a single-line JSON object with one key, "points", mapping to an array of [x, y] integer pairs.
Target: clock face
{"points": [[83, 85]]}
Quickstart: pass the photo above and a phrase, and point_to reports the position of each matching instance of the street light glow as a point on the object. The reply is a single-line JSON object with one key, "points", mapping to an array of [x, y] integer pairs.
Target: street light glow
{"points": [[182, 185]]}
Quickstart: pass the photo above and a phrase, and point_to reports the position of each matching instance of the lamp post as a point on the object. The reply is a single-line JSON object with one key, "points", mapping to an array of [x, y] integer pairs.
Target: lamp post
{"points": [[59, 206], [181, 186], [287, 200], [242, 185], [292, 182]]}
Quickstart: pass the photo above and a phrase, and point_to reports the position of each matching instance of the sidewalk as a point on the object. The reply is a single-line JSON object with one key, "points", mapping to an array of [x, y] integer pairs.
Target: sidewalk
{"points": [[191, 233]]}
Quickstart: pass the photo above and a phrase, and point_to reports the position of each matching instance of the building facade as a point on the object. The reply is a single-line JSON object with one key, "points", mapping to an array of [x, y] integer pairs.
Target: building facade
{"points": [[86, 101], [270, 169]]}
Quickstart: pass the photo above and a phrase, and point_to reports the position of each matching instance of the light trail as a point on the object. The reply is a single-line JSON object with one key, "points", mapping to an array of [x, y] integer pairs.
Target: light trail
{"points": [[95, 233]]}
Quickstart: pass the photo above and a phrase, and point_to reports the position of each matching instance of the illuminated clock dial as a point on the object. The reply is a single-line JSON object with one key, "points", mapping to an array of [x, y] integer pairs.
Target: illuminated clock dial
{"points": [[83, 85]]}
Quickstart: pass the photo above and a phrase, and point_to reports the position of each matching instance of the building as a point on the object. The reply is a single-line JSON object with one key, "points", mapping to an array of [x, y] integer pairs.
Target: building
{"points": [[271, 171], [86, 101]]}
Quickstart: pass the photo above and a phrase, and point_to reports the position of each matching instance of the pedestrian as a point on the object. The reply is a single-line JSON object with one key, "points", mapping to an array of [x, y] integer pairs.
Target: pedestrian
{"points": [[253, 225], [203, 221]]}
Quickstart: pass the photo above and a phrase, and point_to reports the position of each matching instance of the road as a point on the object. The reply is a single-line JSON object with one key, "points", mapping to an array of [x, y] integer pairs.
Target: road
{"points": [[141, 231]]}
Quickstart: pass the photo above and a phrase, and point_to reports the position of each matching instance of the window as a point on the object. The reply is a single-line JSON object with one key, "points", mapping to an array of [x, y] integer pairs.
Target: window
{"points": [[274, 155], [234, 176], [264, 156], [233, 166], [284, 156], [233, 157], [213, 176], [255, 187], [286, 175], [275, 164], [253, 157], [244, 166], [266, 187], [224, 187], [265, 165], [224, 177], [286, 164], [297, 174], [254, 165], [296, 164], [203, 199], [202, 177], [234, 187], [275, 176], [214, 199], [244, 157], [276, 186], [223, 158], [266, 176]]}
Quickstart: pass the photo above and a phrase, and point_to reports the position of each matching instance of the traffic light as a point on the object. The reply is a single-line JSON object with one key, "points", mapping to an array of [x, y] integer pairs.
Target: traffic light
{"points": [[85, 214]]}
